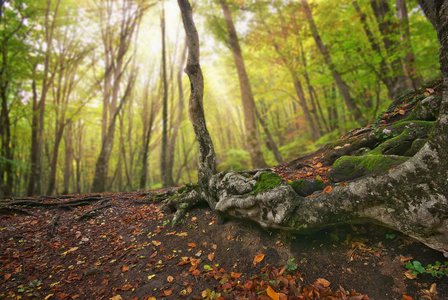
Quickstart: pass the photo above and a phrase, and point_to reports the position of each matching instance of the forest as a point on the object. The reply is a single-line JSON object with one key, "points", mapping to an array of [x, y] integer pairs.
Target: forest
{"points": [[94, 95]]}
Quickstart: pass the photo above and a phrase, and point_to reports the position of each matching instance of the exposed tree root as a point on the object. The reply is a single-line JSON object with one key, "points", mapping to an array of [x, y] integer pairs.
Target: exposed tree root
{"points": [[14, 210], [93, 212]]}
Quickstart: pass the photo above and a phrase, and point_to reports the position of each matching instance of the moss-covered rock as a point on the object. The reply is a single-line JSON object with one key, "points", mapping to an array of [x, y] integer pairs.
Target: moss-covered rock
{"points": [[351, 167], [428, 109], [400, 144], [266, 181], [306, 187]]}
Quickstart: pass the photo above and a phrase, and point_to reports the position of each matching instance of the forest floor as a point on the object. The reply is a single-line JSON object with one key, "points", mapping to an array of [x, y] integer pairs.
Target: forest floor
{"points": [[122, 246]]}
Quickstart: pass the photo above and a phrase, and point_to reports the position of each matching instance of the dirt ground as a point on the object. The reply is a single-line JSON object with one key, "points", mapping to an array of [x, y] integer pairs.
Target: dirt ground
{"points": [[130, 250]]}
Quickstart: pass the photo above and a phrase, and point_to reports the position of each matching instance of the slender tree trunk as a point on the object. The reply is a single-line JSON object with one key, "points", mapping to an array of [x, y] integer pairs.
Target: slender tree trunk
{"points": [[410, 68], [68, 162], [247, 98], [388, 29], [176, 126], [271, 144], [341, 84], [163, 152]]}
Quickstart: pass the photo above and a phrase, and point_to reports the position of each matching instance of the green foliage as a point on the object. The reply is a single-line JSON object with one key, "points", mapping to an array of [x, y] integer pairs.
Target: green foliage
{"points": [[237, 160], [436, 270], [390, 236], [290, 265]]}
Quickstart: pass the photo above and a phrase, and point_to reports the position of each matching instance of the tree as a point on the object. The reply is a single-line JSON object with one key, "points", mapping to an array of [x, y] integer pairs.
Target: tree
{"points": [[341, 84], [116, 63], [410, 198], [253, 142]]}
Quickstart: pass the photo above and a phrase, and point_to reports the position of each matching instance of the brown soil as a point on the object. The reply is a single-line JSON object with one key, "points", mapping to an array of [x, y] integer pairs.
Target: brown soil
{"points": [[125, 251]]}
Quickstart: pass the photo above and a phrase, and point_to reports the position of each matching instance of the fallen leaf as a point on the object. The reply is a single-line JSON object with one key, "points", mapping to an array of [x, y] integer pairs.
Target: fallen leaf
{"points": [[433, 290], [126, 287], [151, 277], [170, 278], [196, 272], [235, 275], [116, 297], [168, 292], [404, 259], [214, 246], [258, 258], [192, 245], [323, 282], [426, 94], [156, 243], [272, 294], [72, 249], [406, 297], [327, 189], [125, 269], [337, 147], [318, 165], [342, 184], [7, 276], [401, 112], [409, 274], [430, 90], [211, 256]]}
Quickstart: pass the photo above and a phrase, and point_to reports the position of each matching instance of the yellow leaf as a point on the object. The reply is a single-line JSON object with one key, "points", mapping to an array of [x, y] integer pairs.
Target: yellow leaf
{"points": [[258, 258], [410, 275], [72, 249], [151, 277], [432, 290], [272, 294], [401, 112], [170, 278], [116, 297], [156, 243], [48, 297]]}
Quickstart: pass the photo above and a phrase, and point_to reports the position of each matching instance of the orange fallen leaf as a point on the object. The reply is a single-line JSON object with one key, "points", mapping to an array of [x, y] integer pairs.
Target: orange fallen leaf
{"points": [[211, 256], [126, 287], [235, 275], [323, 282], [214, 246], [192, 245], [272, 294], [258, 258], [406, 297], [170, 278], [125, 268], [156, 243], [7, 276], [228, 237], [426, 94], [318, 165], [342, 184], [401, 112], [168, 292], [327, 189], [196, 272]]}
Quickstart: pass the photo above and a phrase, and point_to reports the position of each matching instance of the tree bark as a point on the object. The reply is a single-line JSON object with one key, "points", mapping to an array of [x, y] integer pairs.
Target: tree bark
{"points": [[163, 159], [341, 84], [253, 142]]}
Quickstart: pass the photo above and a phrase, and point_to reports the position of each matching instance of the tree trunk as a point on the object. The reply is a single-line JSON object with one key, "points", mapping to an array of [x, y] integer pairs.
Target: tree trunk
{"points": [[253, 142], [68, 162], [342, 86], [166, 181], [387, 28], [270, 142], [410, 69]]}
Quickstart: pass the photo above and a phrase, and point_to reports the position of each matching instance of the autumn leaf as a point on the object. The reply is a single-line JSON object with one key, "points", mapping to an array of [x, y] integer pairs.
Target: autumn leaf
{"points": [[401, 112], [7, 276], [327, 189], [192, 245], [426, 94], [323, 282], [170, 278], [116, 297], [272, 294], [406, 297], [235, 275], [258, 258], [126, 287], [156, 243], [125, 269], [211, 256], [167, 292], [430, 90], [214, 246], [342, 184], [72, 249], [196, 272]]}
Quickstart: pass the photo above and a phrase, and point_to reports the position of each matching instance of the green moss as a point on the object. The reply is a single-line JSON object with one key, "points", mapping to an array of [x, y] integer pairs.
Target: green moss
{"points": [[351, 167], [186, 189], [306, 187], [267, 181]]}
